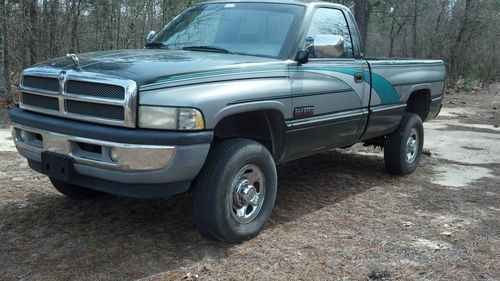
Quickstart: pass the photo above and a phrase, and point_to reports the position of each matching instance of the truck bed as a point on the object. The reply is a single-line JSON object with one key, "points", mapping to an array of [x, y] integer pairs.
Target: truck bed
{"points": [[393, 82], [409, 75]]}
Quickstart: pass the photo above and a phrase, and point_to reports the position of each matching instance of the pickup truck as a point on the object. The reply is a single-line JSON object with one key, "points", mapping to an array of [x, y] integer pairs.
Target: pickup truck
{"points": [[225, 92]]}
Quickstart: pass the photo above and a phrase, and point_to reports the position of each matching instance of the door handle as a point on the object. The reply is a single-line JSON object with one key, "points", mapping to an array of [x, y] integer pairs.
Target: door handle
{"points": [[358, 77]]}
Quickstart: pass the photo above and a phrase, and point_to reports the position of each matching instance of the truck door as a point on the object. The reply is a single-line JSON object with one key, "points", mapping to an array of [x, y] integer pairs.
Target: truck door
{"points": [[330, 93]]}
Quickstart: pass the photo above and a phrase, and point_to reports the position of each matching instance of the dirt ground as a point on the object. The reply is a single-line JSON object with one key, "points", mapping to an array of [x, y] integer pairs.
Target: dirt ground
{"points": [[338, 216]]}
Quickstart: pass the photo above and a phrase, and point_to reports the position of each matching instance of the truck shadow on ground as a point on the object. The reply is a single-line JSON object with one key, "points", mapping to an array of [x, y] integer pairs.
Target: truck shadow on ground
{"points": [[130, 238]]}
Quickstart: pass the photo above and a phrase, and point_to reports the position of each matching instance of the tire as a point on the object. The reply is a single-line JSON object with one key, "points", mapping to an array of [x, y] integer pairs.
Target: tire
{"points": [[74, 191], [238, 173], [404, 146]]}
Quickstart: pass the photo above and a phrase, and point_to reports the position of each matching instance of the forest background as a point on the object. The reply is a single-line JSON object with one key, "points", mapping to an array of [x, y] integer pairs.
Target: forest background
{"points": [[464, 33]]}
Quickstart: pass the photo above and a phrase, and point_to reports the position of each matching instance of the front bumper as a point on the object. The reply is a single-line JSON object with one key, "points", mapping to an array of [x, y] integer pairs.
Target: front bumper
{"points": [[146, 163]]}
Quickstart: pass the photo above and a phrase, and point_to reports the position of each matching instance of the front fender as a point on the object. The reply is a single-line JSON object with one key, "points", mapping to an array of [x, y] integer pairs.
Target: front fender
{"points": [[251, 106], [217, 100]]}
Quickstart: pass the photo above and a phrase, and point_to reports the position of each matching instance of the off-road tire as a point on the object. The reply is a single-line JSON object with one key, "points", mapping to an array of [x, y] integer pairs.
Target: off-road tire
{"points": [[214, 190], [396, 147], [74, 191]]}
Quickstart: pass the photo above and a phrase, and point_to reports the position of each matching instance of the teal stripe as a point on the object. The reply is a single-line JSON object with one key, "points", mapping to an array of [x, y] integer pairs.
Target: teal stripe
{"points": [[214, 72], [385, 90]]}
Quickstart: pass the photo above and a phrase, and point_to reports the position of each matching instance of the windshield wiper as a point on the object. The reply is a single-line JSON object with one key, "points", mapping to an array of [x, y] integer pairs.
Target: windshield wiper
{"points": [[157, 45], [207, 49]]}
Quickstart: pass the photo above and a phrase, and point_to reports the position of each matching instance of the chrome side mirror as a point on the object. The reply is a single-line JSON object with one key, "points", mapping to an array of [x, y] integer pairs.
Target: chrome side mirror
{"points": [[151, 36], [328, 46]]}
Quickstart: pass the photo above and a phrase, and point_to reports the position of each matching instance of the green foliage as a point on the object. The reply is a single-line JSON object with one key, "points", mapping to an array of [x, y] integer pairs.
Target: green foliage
{"points": [[465, 84]]}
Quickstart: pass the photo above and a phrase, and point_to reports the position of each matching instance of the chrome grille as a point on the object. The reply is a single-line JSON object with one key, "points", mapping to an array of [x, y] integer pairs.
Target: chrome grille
{"points": [[50, 103], [96, 110], [80, 95], [95, 90], [42, 83]]}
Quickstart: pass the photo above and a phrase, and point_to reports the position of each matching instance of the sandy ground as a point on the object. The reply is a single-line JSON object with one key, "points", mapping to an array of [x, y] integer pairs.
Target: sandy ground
{"points": [[338, 216], [6, 143]]}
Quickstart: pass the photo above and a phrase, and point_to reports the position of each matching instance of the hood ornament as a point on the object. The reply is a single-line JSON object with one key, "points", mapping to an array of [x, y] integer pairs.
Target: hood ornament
{"points": [[75, 60], [62, 75]]}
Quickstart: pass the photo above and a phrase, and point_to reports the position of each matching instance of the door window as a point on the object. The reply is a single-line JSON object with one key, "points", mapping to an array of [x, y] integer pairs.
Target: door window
{"points": [[331, 22]]}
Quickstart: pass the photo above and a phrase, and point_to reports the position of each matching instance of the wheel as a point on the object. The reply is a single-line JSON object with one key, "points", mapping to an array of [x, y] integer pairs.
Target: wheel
{"points": [[74, 191], [234, 193], [404, 146]]}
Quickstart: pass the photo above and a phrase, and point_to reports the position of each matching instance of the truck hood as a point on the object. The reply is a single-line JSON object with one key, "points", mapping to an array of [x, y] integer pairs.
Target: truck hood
{"points": [[148, 66]]}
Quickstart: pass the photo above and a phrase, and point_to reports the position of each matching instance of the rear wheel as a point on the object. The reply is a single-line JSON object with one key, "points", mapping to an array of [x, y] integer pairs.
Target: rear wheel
{"points": [[235, 192], [74, 191], [404, 147]]}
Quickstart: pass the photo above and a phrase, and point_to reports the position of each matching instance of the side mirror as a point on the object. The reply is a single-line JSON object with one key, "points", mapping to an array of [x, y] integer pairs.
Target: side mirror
{"points": [[328, 46], [303, 56], [151, 36]]}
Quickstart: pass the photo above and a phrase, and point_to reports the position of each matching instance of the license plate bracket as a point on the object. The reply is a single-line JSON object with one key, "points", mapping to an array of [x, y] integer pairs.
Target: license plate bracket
{"points": [[58, 166]]}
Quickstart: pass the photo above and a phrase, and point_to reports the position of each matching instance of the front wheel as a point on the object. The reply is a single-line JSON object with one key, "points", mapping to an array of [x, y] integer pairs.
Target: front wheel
{"points": [[404, 147], [235, 192]]}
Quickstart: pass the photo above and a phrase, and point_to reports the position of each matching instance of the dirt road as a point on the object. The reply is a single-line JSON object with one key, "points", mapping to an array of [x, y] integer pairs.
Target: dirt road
{"points": [[338, 216]]}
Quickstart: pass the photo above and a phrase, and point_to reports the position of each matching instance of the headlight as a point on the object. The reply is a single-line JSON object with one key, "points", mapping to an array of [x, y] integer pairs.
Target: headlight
{"points": [[170, 118]]}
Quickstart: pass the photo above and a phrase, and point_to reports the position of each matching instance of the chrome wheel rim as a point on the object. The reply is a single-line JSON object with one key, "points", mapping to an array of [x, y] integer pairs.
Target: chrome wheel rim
{"points": [[412, 146], [248, 192]]}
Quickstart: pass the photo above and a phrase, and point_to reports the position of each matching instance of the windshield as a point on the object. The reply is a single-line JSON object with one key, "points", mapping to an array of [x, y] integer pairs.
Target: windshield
{"points": [[260, 29]]}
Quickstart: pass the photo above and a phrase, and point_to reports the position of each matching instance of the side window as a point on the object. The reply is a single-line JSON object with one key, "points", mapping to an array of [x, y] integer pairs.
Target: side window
{"points": [[331, 22]]}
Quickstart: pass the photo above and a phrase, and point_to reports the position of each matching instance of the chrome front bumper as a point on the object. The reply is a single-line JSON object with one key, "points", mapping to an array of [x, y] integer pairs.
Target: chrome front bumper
{"points": [[124, 161], [104, 154], [135, 164]]}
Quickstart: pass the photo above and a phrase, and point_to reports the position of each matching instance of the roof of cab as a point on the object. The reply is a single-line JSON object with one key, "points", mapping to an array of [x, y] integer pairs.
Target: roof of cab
{"points": [[296, 2]]}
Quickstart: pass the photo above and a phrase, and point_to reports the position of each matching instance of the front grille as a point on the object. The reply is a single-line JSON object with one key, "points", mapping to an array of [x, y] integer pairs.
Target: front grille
{"points": [[40, 101], [95, 110], [42, 83], [86, 96], [95, 90]]}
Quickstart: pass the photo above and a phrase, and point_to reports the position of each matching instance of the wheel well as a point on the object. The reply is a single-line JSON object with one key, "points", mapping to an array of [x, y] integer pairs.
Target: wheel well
{"points": [[419, 102], [264, 126]]}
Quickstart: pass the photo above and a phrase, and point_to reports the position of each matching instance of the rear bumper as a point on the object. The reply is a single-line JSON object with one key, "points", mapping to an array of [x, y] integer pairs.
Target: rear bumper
{"points": [[146, 163]]}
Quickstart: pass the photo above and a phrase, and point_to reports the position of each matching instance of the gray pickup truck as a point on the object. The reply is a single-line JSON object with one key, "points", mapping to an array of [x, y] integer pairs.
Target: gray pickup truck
{"points": [[227, 90]]}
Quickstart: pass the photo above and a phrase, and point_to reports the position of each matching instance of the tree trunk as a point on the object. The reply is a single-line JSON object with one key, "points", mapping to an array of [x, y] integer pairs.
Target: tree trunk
{"points": [[432, 41], [97, 24], [391, 38], [26, 47], [6, 47], [107, 42], [164, 12], [3, 75], [52, 21], [75, 44], [42, 32], [33, 10], [457, 51], [362, 12], [118, 25], [414, 29]]}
